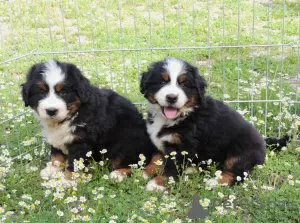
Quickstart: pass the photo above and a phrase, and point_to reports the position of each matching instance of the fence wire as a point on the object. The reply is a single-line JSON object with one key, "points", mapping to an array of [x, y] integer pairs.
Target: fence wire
{"points": [[248, 51]]}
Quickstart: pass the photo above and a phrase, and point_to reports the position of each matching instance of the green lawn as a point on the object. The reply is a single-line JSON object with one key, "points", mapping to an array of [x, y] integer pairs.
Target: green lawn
{"points": [[126, 37]]}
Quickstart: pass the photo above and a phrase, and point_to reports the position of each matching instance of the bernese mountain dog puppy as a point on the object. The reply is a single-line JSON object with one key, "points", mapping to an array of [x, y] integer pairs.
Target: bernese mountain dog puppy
{"points": [[182, 120], [78, 118]]}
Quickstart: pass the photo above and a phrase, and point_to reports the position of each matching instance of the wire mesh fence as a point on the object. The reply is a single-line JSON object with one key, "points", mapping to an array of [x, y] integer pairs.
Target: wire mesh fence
{"points": [[248, 51]]}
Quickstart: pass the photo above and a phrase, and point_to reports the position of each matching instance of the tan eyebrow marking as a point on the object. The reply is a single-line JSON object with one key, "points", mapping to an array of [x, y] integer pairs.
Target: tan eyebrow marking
{"points": [[165, 76], [42, 86], [59, 87], [181, 78]]}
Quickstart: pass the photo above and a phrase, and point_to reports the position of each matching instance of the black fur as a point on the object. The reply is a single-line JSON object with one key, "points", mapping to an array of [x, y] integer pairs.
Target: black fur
{"points": [[276, 144], [111, 121], [212, 130]]}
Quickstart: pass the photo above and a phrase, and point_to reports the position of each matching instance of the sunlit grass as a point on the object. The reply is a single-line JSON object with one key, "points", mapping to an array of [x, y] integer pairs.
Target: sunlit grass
{"points": [[258, 73]]}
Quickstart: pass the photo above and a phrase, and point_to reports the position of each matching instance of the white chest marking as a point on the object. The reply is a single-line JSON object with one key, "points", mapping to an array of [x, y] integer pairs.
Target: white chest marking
{"points": [[153, 129], [59, 135], [159, 121]]}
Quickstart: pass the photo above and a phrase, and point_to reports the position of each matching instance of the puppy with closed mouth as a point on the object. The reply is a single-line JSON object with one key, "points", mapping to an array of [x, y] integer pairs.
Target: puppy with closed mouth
{"points": [[184, 122], [79, 119]]}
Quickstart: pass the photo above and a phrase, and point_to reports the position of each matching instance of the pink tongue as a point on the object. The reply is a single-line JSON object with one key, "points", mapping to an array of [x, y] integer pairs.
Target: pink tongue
{"points": [[170, 112]]}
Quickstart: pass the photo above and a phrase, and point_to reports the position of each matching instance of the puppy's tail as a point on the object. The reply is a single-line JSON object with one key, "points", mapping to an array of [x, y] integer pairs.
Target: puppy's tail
{"points": [[276, 144]]}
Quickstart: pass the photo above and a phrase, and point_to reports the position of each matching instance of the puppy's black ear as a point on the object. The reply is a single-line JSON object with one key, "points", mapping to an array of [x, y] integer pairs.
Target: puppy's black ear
{"points": [[200, 84], [27, 85], [25, 90], [83, 86], [144, 81]]}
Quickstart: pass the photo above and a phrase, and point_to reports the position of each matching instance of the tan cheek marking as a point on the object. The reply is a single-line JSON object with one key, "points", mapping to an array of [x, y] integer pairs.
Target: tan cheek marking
{"points": [[151, 99], [152, 169], [73, 107], [191, 102], [165, 76]]}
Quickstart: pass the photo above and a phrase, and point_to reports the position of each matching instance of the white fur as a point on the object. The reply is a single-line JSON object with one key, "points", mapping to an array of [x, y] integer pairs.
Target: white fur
{"points": [[58, 135], [174, 68], [53, 75], [153, 186], [56, 173], [145, 175], [159, 120], [50, 171], [117, 175], [167, 138]]}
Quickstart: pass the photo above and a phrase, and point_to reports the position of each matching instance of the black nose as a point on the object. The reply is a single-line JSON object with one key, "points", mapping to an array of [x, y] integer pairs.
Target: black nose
{"points": [[171, 98], [51, 111]]}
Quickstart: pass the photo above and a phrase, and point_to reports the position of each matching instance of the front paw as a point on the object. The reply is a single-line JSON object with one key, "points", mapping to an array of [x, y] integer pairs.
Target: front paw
{"points": [[117, 176], [50, 171], [156, 184], [120, 174]]}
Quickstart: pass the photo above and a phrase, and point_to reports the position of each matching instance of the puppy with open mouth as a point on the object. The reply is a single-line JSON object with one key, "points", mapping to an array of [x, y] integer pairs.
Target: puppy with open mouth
{"points": [[183, 121]]}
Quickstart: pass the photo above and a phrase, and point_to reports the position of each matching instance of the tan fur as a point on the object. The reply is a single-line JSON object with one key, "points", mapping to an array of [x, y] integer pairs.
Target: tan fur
{"points": [[229, 163], [181, 78], [227, 178], [73, 107], [165, 76], [59, 87], [152, 99], [152, 169], [160, 180], [42, 86], [176, 139], [191, 102], [58, 158]]}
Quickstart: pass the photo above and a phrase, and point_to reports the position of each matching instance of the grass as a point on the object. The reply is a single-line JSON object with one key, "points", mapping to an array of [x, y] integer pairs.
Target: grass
{"points": [[157, 29]]}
